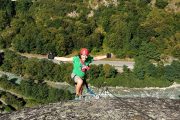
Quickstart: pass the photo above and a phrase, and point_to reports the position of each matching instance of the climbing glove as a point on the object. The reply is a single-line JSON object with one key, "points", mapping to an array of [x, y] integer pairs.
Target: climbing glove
{"points": [[108, 55], [51, 55]]}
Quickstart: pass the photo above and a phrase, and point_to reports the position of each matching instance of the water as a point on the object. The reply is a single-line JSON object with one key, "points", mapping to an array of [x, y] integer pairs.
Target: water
{"points": [[171, 92], [11, 76]]}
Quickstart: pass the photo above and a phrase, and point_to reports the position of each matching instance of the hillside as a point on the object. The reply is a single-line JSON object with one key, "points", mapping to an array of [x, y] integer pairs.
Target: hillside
{"points": [[125, 27], [145, 31]]}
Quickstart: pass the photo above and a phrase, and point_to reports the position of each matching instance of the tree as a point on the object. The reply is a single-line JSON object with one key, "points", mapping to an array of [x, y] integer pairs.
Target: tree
{"points": [[157, 25], [31, 67], [175, 46], [95, 41], [109, 71], [171, 72], [118, 37], [2, 43], [161, 3], [143, 68], [60, 45], [176, 52], [22, 6], [3, 19], [149, 51]]}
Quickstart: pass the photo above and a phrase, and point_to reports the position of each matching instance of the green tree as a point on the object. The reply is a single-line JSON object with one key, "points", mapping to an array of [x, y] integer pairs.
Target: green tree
{"points": [[42, 92], [176, 52], [171, 72], [26, 86], [31, 67], [118, 38], [3, 19], [53, 95], [2, 43], [149, 51], [157, 25], [109, 71], [22, 6], [143, 68], [60, 45], [95, 71], [161, 3]]}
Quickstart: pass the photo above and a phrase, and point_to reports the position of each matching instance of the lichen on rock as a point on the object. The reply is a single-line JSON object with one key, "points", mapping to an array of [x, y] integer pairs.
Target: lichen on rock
{"points": [[102, 109]]}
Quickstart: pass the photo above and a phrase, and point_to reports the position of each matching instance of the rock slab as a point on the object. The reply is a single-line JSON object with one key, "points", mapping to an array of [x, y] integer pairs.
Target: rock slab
{"points": [[102, 109]]}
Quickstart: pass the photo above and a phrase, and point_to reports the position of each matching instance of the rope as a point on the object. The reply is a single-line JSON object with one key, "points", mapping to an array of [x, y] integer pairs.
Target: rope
{"points": [[150, 118]]}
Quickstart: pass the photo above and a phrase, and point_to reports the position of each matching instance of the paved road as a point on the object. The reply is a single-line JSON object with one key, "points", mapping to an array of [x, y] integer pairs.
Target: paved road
{"points": [[117, 64]]}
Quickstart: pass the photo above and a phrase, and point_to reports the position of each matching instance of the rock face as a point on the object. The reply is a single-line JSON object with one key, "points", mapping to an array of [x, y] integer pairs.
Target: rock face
{"points": [[102, 109]]}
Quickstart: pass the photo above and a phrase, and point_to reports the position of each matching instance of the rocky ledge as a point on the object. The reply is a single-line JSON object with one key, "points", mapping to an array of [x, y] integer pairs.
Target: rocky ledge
{"points": [[102, 109]]}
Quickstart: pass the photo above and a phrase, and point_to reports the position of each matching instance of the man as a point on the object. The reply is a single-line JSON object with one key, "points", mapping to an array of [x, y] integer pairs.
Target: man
{"points": [[80, 66]]}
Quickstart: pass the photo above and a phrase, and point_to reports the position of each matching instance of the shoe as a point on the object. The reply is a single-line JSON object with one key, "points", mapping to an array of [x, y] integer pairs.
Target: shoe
{"points": [[90, 91], [77, 97]]}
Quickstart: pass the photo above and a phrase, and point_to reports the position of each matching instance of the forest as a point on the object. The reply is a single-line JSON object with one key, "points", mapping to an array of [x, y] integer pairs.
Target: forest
{"points": [[127, 28], [146, 32]]}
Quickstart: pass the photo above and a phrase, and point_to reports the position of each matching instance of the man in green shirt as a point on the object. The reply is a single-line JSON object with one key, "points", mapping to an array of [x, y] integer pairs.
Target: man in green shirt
{"points": [[80, 66]]}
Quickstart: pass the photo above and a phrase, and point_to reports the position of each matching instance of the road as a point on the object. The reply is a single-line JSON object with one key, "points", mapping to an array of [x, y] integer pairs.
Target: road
{"points": [[117, 64]]}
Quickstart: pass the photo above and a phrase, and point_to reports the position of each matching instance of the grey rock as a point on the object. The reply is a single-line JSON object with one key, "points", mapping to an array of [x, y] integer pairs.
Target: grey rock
{"points": [[102, 109]]}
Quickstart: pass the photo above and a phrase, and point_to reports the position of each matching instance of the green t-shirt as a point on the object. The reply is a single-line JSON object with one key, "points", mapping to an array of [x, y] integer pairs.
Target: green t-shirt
{"points": [[77, 65]]}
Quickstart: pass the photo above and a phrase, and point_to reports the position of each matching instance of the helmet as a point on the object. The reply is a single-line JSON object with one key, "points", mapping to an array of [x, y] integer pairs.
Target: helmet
{"points": [[84, 51]]}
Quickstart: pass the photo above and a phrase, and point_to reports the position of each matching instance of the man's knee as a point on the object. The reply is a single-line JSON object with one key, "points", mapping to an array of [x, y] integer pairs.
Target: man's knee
{"points": [[79, 81]]}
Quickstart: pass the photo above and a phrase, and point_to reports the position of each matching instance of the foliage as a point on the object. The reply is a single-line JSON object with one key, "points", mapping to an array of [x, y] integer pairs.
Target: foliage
{"points": [[14, 101], [149, 51], [130, 80], [42, 93], [131, 29], [143, 68], [64, 26], [175, 50], [109, 71], [161, 3], [13, 62], [95, 71], [171, 72]]}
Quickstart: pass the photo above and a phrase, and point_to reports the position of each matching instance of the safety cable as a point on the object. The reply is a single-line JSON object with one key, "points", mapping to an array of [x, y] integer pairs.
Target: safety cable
{"points": [[150, 118], [105, 89]]}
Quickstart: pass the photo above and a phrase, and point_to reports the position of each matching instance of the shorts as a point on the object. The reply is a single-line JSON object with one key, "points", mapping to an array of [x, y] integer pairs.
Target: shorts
{"points": [[75, 77]]}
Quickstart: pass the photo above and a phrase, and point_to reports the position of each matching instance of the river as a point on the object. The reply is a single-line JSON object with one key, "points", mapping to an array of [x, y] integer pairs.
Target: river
{"points": [[171, 92]]}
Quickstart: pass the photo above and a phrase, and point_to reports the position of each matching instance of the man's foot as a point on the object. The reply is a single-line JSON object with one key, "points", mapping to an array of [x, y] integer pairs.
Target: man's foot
{"points": [[90, 92], [77, 97]]}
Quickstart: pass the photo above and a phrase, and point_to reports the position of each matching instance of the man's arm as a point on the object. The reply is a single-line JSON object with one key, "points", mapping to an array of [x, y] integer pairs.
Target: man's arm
{"points": [[100, 57], [64, 59], [108, 55]]}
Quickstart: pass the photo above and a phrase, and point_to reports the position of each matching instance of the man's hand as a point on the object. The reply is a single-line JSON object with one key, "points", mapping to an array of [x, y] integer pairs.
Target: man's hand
{"points": [[51, 55], [109, 55], [85, 68]]}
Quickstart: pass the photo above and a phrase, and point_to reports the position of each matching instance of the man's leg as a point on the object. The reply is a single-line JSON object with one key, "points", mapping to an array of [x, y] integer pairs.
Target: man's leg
{"points": [[86, 84], [81, 89], [79, 85], [88, 89]]}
